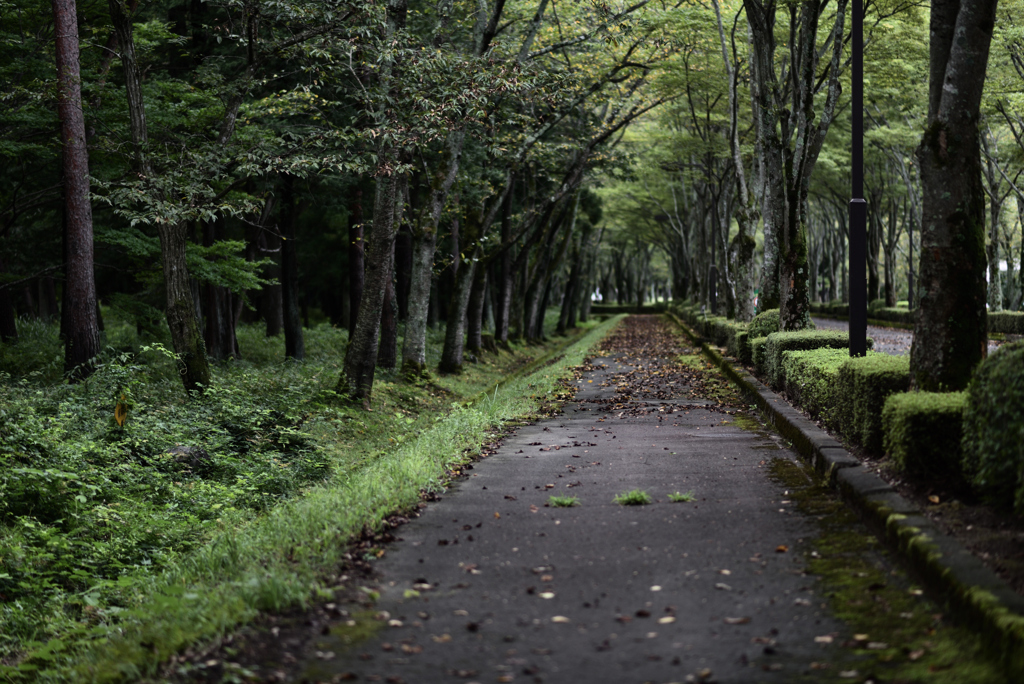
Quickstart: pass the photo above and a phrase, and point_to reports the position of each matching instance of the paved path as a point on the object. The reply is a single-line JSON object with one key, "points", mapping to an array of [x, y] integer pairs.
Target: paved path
{"points": [[512, 590], [893, 341]]}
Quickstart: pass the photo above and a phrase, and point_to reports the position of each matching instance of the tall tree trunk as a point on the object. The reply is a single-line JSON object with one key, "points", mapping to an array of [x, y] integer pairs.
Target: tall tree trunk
{"points": [[356, 265], [421, 276], [403, 270], [950, 335], [186, 337], [271, 302], [81, 331], [475, 312], [414, 345], [220, 319], [8, 319], [294, 343], [361, 357], [455, 328], [388, 354], [506, 275]]}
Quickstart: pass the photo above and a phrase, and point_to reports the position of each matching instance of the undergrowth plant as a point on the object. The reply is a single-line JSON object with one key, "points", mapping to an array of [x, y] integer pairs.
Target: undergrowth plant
{"points": [[122, 544]]}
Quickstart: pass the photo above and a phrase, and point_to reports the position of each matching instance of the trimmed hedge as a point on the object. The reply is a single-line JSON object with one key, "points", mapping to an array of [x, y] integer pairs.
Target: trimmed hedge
{"points": [[993, 441], [757, 347], [863, 385], [923, 431], [834, 308], [1006, 322], [779, 343], [875, 304], [765, 323], [895, 315], [811, 378]]}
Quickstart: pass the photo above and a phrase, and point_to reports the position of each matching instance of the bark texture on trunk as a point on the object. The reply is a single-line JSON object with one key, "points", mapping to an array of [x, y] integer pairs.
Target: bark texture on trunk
{"points": [[81, 328], [950, 335], [455, 327], [356, 263], [424, 243], [220, 338], [414, 345], [506, 274], [294, 343], [387, 356], [475, 312], [8, 319], [361, 358]]}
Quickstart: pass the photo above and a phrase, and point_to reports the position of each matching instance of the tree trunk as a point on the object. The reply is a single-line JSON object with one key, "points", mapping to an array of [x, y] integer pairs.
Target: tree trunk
{"points": [[294, 344], [506, 275], [475, 312], [220, 328], [455, 328], [356, 265], [271, 302], [8, 320], [388, 354], [414, 346], [403, 270], [81, 331], [361, 357], [950, 335], [421, 277], [186, 338]]}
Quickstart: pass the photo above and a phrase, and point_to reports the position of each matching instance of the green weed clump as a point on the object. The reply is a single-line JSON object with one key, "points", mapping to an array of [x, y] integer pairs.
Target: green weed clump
{"points": [[634, 497], [563, 501], [677, 497]]}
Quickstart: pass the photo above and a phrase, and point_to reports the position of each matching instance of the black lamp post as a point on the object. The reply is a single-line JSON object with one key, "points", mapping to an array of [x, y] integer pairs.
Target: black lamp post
{"points": [[858, 205]]}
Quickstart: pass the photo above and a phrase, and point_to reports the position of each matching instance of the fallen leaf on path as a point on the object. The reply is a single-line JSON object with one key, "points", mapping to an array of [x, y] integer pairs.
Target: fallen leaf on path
{"points": [[656, 588], [826, 639], [668, 620], [781, 548], [736, 620], [546, 595], [934, 499], [722, 586], [443, 639], [560, 618], [497, 514]]}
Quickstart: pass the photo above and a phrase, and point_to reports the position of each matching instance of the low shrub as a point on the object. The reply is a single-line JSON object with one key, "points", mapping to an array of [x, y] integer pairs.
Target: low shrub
{"points": [[1006, 322], [923, 431], [757, 350], [741, 345], [894, 315], [875, 305], [780, 342], [764, 324], [811, 378], [863, 385], [993, 432]]}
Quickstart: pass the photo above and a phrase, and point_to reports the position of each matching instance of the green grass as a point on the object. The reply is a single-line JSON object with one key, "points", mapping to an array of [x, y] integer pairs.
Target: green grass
{"points": [[634, 497], [162, 554], [563, 501], [677, 497]]}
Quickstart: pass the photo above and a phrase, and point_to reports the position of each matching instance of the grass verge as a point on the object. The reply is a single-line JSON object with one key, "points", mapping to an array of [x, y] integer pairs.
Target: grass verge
{"points": [[288, 556]]}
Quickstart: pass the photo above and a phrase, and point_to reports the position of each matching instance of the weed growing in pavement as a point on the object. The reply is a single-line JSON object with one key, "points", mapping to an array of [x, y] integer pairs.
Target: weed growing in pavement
{"points": [[563, 501], [677, 497], [634, 497]]}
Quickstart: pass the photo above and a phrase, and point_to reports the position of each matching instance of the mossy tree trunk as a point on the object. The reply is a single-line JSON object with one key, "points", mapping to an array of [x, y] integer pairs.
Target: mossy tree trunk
{"points": [[294, 342], [950, 336]]}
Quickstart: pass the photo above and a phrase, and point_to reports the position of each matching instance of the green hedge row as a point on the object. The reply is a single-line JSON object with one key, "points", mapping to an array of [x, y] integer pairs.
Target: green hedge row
{"points": [[923, 431], [975, 437]]}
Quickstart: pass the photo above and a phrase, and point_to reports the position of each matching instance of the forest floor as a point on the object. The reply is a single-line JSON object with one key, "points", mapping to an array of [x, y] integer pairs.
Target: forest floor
{"points": [[994, 536], [734, 565], [248, 496]]}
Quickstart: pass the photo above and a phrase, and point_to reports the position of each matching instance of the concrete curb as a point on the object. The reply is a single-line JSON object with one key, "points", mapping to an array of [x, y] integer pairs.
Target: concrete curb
{"points": [[974, 595]]}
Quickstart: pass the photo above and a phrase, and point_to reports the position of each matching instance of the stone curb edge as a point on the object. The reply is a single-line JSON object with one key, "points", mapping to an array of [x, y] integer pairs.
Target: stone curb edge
{"points": [[973, 594]]}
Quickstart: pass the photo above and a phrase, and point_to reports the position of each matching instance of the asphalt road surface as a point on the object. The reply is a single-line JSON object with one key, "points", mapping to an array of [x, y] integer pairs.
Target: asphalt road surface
{"points": [[490, 584]]}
